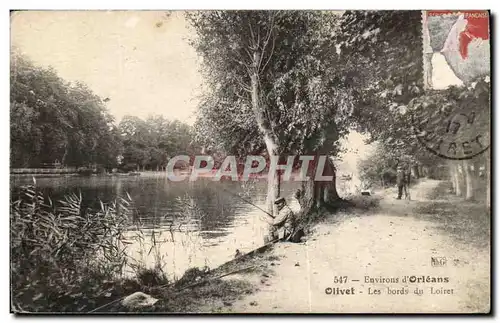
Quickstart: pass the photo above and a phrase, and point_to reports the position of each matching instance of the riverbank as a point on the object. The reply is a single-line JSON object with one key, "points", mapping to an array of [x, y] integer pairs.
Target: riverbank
{"points": [[44, 171], [352, 261], [342, 266], [217, 290], [48, 242], [356, 261], [66, 172], [205, 291]]}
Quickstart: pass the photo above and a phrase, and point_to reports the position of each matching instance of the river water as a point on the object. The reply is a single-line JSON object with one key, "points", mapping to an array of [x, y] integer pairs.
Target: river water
{"points": [[199, 223]]}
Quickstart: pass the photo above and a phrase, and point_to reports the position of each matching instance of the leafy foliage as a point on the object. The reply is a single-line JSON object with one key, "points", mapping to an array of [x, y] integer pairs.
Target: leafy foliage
{"points": [[381, 53], [55, 120], [378, 169], [438, 106], [305, 103], [150, 143], [61, 253]]}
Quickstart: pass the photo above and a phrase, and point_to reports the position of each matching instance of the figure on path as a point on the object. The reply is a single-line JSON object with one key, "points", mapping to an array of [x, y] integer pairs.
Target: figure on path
{"points": [[403, 181]]}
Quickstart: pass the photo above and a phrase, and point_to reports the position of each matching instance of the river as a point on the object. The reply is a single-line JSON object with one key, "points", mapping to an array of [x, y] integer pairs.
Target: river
{"points": [[199, 223]]}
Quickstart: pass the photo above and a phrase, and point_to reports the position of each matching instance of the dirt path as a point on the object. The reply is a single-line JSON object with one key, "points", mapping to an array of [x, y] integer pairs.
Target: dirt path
{"points": [[387, 243]]}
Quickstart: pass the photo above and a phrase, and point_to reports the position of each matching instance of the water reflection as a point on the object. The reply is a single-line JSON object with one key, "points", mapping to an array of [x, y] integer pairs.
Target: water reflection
{"points": [[200, 223]]}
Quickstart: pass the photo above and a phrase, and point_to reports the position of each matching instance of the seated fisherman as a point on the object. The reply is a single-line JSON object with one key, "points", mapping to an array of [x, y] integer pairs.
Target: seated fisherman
{"points": [[285, 221]]}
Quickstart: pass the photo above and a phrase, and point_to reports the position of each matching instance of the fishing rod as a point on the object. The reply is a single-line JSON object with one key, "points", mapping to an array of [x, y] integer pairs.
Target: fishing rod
{"points": [[245, 200]]}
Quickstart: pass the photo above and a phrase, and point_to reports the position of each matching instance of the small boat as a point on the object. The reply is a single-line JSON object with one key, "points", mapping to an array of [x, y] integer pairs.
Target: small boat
{"points": [[134, 174]]}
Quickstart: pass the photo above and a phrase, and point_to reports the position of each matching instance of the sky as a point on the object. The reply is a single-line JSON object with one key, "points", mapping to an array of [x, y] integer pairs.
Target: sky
{"points": [[141, 60]]}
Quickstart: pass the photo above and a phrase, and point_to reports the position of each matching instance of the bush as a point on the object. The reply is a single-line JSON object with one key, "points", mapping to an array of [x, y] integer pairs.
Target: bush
{"points": [[64, 258]]}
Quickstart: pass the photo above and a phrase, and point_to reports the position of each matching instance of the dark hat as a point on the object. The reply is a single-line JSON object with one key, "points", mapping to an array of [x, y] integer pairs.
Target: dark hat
{"points": [[279, 200]]}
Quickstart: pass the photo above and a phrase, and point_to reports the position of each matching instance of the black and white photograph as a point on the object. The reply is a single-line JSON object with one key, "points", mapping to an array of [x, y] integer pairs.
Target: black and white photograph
{"points": [[250, 161]]}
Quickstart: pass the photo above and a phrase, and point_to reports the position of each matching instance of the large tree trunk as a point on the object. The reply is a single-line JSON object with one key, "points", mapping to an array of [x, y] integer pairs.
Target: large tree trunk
{"points": [[457, 179], [273, 180], [310, 190], [315, 194], [451, 170], [308, 196], [330, 195], [469, 181], [273, 187], [271, 143]]}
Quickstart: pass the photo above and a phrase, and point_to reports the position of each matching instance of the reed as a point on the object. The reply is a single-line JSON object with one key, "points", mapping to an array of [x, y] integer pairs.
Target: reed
{"points": [[70, 259], [65, 258]]}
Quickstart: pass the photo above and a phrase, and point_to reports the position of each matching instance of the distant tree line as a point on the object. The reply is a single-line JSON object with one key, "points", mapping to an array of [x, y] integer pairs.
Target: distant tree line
{"points": [[53, 121], [379, 168], [150, 143]]}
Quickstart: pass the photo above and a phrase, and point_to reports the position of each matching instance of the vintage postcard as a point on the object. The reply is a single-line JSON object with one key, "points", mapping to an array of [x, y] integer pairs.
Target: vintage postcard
{"points": [[251, 161]]}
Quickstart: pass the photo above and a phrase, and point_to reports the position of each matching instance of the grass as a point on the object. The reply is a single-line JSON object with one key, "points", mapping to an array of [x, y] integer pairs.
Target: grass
{"points": [[467, 222], [174, 298], [211, 296]]}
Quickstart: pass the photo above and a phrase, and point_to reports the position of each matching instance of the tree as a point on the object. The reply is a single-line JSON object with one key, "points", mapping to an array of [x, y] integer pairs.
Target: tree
{"points": [[473, 101], [381, 53], [135, 137], [272, 88], [25, 135], [379, 167], [387, 45], [148, 144]]}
